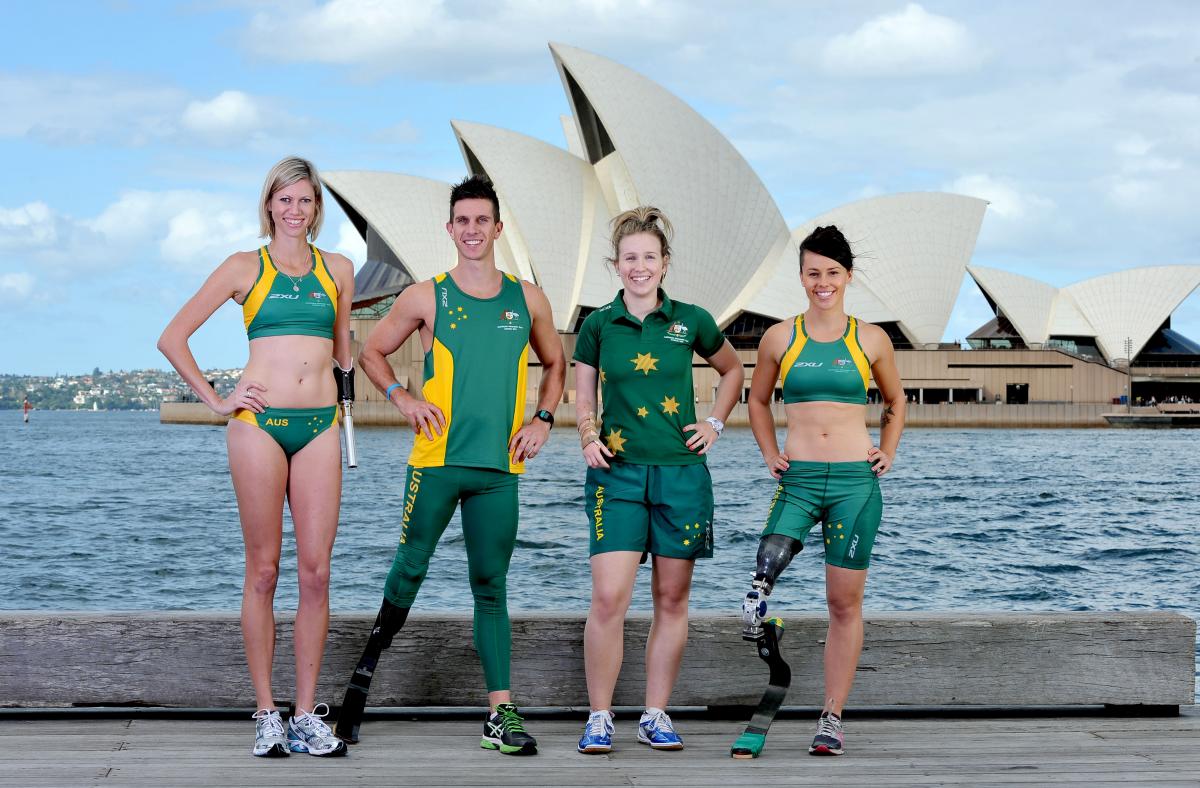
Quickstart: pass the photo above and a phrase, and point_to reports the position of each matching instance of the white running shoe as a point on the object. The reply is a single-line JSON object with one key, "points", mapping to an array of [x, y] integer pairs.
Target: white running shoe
{"points": [[309, 733], [269, 741]]}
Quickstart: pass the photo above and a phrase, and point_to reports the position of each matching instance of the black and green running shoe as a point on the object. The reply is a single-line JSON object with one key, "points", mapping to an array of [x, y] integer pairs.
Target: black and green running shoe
{"points": [[504, 730]]}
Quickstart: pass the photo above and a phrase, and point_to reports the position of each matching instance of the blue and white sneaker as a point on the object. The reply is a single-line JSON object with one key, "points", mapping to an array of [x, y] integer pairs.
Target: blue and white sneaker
{"points": [[269, 741], [309, 733], [655, 729], [597, 734]]}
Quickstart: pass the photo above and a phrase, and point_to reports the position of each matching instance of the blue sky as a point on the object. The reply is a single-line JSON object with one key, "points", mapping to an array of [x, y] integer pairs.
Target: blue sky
{"points": [[135, 135]]}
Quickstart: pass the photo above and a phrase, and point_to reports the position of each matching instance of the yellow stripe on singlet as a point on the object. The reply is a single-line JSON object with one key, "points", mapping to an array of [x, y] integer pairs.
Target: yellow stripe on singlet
{"points": [[258, 293], [438, 389], [519, 408], [324, 277], [857, 353], [799, 337]]}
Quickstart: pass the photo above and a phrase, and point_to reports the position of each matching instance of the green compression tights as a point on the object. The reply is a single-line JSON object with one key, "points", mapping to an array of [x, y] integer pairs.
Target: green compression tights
{"points": [[489, 518]]}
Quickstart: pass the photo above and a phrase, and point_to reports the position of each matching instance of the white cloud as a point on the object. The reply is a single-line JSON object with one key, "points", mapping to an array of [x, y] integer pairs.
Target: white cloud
{"points": [[31, 225], [906, 43], [1007, 201], [351, 244], [230, 115], [459, 42], [16, 287], [200, 239], [403, 133], [126, 110], [192, 230]]}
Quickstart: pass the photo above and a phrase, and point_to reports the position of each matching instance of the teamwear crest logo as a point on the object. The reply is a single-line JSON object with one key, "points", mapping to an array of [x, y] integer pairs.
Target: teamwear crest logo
{"points": [[677, 332]]}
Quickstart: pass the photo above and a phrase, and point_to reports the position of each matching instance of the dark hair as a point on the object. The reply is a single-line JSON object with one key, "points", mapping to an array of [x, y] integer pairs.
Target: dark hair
{"points": [[828, 242], [475, 187]]}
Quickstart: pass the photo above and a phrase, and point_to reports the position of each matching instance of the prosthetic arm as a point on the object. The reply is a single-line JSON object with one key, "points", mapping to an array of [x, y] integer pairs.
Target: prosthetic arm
{"points": [[345, 387], [775, 552]]}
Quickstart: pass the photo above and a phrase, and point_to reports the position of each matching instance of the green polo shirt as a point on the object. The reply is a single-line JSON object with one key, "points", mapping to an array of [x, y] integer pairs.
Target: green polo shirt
{"points": [[646, 376]]}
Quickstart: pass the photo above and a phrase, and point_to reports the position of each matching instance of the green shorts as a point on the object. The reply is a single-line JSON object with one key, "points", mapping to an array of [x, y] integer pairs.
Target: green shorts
{"points": [[662, 510], [844, 496]]}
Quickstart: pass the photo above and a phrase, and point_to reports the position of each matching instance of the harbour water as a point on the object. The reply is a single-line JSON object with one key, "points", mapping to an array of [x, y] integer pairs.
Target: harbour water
{"points": [[102, 511]]}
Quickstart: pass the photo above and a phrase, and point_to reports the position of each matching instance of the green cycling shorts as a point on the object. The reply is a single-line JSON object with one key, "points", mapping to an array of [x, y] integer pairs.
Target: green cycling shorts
{"points": [[843, 496], [662, 510]]}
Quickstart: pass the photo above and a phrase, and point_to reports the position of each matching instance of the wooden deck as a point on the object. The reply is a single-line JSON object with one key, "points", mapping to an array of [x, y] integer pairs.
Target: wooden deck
{"points": [[141, 750]]}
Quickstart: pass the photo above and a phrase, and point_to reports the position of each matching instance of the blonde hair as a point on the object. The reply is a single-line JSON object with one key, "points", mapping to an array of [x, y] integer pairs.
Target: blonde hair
{"points": [[642, 219], [289, 170]]}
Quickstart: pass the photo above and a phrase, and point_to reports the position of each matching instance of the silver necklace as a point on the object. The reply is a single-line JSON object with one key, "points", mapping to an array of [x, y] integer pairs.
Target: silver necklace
{"points": [[295, 280]]}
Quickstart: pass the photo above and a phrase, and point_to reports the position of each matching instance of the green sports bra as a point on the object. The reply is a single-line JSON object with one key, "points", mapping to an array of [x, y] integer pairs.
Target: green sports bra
{"points": [[837, 371], [282, 305]]}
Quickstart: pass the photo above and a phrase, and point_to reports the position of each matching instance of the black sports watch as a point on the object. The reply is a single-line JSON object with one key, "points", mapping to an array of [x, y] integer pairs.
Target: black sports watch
{"points": [[545, 416]]}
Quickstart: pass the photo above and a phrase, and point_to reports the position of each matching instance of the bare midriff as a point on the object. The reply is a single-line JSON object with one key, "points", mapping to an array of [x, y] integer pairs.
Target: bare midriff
{"points": [[827, 432], [295, 370]]}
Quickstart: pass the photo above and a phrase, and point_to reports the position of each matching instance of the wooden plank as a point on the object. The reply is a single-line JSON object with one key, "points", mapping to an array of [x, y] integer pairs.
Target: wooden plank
{"points": [[968, 751], [182, 659]]}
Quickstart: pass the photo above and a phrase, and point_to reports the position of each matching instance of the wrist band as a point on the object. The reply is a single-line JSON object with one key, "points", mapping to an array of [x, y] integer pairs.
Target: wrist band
{"points": [[388, 394]]}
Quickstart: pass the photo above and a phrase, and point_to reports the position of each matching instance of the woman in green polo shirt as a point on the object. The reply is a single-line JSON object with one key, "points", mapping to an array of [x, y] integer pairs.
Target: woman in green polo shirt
{"points": [[648, 490]]}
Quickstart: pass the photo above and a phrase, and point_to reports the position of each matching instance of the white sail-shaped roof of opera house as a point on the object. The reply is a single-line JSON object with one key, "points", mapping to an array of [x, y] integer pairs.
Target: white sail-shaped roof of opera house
{"points": [[1121, 311], [631, 142]]}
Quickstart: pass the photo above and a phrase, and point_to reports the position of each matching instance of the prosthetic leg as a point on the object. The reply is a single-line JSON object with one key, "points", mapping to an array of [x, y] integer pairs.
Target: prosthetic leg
{"points": [[775, 552], [387, 624]]}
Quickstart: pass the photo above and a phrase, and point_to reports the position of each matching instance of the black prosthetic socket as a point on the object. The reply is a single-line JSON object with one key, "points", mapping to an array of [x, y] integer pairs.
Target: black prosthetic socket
{"points": [[387, 623], [345, 383], [775, 552]]}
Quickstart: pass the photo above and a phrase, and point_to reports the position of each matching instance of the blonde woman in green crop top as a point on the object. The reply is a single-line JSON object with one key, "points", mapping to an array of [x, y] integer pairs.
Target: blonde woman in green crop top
{"points": [[283, 438], [828, 470]]}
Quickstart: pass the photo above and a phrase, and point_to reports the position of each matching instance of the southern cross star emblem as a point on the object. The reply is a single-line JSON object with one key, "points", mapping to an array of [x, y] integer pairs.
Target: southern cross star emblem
{"points": [[669, 405], [643, 412], [615, 442], [644, 363]]}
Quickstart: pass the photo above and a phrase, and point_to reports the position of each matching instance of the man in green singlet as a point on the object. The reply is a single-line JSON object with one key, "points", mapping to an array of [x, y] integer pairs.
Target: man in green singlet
{"points": [[476, 324]]}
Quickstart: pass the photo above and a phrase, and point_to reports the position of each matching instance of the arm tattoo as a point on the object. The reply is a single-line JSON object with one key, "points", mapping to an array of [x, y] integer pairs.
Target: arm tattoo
{"points": [[885, 417]]}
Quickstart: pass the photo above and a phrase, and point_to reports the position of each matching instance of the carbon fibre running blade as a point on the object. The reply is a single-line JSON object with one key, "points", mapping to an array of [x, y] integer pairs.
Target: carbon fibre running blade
{"points": [[750, 743]]}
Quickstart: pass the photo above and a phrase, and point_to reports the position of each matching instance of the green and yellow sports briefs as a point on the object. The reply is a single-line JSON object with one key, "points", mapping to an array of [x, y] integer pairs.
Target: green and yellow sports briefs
{"points": [[812, 371], [281, 305], [292, 428], [663, 510], [475, 373], [843, 496], [645, 370]]}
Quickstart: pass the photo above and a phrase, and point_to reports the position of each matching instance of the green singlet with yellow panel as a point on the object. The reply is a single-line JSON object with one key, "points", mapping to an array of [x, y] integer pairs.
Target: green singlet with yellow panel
{"points": [[475, 373]]}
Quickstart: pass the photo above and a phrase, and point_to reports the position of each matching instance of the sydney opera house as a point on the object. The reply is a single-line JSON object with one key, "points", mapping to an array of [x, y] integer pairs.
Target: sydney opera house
{"points": [[629, 142]]}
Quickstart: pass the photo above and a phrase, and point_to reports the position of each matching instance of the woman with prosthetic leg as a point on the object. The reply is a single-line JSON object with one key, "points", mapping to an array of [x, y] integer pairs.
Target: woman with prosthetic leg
{"points": [[828, 472]]}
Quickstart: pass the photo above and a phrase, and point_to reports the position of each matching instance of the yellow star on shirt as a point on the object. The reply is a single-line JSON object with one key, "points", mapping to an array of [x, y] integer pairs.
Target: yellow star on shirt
{"points": [[643, 412], [603, 377], [614, 440], [669, 405], [644, 363]]}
